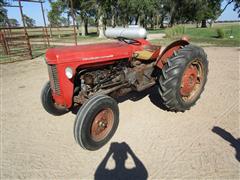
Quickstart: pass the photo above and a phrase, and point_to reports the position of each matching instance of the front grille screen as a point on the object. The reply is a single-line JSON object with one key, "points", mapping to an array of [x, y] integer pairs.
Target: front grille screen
{"points": [[52, 70]]}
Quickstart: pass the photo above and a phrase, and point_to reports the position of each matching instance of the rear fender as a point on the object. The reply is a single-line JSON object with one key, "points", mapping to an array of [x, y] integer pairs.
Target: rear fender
{"points": [[168, 52]]}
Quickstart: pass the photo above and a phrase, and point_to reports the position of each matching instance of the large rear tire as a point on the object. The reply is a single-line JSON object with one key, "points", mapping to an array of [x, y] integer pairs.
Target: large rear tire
{"points": [[96, 122], [183, 78], [48, 103]]}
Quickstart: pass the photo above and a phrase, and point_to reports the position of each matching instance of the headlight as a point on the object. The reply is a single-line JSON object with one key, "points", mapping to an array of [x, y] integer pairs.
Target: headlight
{"points": [[69, 72]]}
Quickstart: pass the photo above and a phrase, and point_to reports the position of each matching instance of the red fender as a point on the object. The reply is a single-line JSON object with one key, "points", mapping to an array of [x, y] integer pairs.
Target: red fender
{"points": [[169, 50]]}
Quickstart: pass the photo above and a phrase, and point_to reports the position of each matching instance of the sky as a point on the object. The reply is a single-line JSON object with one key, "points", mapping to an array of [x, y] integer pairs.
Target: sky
{"points": [[33, 10]]}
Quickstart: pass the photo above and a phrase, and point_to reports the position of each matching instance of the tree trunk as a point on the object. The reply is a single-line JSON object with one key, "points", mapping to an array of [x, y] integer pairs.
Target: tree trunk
{"points": [[172, 21], [126, 21], [83, 32], [136, 19], [197, 24], [78, 26], [86, 25], [113, 20], [68, 19], [131, 20], [152, 21], [50, 28], [204, 23], [172, 15], [211, 23], [157, 22], [162, 22], [145, 22], [139, 21], [100, 27]]}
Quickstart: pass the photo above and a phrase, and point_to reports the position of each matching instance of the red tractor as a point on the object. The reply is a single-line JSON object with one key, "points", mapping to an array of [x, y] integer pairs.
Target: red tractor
{"points": [[92, 76]]}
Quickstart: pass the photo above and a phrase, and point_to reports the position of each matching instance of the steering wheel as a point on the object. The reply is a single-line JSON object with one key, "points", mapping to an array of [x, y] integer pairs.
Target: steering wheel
{"points": [[129, 40]]}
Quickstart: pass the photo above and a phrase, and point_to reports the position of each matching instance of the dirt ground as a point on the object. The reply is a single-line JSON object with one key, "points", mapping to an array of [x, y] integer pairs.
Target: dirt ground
{"points": [[201, 143]]}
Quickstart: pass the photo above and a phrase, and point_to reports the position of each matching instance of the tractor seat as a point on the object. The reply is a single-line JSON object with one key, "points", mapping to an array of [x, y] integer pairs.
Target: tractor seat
{"points": [[149, 53]]}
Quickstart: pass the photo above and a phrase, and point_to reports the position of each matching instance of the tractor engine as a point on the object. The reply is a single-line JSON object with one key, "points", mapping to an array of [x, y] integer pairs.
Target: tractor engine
{"points": [[114, 80]]}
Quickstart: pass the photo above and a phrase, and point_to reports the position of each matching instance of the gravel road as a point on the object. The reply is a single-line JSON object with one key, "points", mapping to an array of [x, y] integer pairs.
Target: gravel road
{"points": [[155, 144]]}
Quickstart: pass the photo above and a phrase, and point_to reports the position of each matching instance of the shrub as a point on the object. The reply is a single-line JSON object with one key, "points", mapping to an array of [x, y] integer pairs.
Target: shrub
{"points": [[175, 31], [220, 33], [169, 32]]}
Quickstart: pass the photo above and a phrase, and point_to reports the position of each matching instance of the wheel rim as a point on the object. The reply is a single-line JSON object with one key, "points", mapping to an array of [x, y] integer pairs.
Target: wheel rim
{"points": [[102, 124], [192, 81]]}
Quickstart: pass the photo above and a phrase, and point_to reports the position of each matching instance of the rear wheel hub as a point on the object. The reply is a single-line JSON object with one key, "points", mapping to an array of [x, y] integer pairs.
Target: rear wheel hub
{"points": [[192, 80]]}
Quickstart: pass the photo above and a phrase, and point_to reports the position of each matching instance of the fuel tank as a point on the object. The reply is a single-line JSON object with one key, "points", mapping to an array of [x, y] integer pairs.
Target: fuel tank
{"points": [[132, 32]]}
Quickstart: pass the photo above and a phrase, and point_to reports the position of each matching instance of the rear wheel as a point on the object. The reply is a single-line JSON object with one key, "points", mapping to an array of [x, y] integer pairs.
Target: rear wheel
{"points": [[96, 122], [183, 78], [48, 103]]}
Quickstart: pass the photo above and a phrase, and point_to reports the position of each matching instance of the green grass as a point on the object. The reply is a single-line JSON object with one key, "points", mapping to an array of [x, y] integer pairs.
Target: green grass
{"points": [[156, 31], [209, 36], [70, 38]]}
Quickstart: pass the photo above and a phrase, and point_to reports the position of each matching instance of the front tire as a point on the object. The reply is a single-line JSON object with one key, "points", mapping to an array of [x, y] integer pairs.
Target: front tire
{"points": [[96, 122], [48, 103], [183, 78]]}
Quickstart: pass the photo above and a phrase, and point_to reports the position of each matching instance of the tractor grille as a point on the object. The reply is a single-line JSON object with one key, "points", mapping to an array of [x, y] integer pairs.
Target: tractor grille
{"points": [[53, 75]]}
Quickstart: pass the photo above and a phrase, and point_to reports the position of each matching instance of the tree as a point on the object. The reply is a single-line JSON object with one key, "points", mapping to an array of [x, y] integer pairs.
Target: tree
{"points": [[29, 21], [54, 15], [3, 14], [211, 9], [84, 9], [237, 7], [64, 21], [143, 11], [13, 23], [113, 13], [102, 7], [202, 10]]}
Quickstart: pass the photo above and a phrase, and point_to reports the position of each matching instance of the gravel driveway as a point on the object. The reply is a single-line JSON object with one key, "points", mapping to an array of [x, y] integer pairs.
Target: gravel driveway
{"points": [[153, 143]]}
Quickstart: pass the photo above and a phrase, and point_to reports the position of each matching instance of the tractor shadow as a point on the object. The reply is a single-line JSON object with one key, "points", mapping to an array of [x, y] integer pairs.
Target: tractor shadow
{"points": [[75, 109], [120, 152], [228, 137], [152, 94]]}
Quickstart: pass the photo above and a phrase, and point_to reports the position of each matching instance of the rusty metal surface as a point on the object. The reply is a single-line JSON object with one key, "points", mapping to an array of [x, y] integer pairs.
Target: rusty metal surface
{"points": [[25, 30], [168, 52], [189, 80], [192, 80], [4, 43], [45, 25], [102, 124]]}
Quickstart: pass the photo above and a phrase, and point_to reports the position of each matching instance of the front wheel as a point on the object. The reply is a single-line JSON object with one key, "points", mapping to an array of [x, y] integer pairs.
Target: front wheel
{"points": [[96, 122], [183, 78], [48, 103]]}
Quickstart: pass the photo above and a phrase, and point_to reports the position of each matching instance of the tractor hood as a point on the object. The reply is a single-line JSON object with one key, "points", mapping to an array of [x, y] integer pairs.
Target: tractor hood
{"points": [[91, 53]]}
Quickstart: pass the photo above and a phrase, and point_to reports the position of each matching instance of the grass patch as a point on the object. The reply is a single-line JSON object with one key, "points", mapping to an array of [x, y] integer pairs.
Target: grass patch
{"points": [[175, 31], [218, 35], [156, 31]]}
